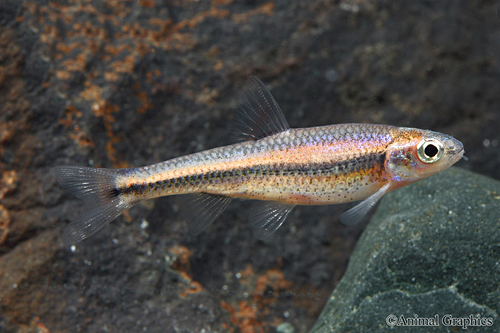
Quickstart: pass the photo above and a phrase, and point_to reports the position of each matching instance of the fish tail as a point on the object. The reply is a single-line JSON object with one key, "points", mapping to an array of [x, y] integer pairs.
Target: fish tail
{"points": [[96, 187]]}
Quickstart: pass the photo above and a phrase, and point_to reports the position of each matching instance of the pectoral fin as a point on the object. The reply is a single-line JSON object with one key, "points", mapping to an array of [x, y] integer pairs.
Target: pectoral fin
{"points": [[357, 213], [266, 217]]}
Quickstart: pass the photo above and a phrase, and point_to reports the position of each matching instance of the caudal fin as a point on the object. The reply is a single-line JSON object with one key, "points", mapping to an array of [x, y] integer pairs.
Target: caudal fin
{"points": [[96, 187]]}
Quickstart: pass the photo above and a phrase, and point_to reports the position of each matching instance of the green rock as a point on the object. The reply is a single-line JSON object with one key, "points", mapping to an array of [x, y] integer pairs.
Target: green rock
{"points": [[432, 250]]}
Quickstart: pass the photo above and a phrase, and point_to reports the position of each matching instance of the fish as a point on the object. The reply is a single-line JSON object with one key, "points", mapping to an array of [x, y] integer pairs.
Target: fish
{"points": [[277, 166]]}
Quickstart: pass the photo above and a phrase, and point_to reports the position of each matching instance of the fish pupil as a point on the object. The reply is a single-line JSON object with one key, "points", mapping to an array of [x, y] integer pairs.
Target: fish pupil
{"points": [[431, 150]]}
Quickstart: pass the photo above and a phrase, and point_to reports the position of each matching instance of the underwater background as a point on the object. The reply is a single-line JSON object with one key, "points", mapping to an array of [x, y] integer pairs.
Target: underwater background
{"points": [[130, 83]]}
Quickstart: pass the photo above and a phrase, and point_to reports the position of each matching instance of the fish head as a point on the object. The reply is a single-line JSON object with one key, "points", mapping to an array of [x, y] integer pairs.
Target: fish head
{"points": [[416, 154]]}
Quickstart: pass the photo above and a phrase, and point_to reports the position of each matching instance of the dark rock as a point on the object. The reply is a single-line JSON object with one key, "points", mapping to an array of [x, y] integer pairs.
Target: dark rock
{"points": [[431, 249]]}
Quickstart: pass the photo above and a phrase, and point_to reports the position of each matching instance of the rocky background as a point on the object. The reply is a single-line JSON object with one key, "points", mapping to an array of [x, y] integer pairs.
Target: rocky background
{"points": [[128, 83], [428, 252]]}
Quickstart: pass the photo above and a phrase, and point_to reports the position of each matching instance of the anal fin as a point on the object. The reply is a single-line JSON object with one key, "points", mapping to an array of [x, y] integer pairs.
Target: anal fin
{"points": [[201, 209], [357, 213], [267, 217]]}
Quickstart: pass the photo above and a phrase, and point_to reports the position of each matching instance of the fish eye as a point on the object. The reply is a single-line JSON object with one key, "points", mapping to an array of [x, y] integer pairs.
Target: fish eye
{"points": [[430, 150]]}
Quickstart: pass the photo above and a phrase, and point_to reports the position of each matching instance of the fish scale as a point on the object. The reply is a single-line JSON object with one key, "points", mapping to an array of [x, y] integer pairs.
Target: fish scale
{"points": [[276, 165], [294, 158]]}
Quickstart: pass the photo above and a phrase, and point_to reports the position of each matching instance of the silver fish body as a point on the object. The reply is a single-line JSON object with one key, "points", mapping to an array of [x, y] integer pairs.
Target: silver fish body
{"points": [[281, 166]]}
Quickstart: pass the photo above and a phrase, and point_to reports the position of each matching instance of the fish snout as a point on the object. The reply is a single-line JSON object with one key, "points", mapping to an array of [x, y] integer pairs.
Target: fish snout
{"points": [[454, 149]]}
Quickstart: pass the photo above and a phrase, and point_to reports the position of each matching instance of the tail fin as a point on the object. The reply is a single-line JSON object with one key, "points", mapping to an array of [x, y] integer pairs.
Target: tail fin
{"points": [[96, 187]]}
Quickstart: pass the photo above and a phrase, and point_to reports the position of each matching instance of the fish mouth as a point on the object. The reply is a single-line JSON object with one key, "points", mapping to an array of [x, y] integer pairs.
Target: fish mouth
{"points": [[462, 152], [456, 149], [457, 155]]}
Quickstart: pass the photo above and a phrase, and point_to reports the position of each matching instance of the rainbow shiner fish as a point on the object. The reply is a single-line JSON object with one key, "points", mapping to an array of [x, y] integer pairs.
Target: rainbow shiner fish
{"points": [[281, 166]]}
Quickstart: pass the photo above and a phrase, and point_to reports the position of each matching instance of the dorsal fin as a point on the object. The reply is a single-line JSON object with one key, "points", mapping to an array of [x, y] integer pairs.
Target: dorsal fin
{"points": [[258, 113]]}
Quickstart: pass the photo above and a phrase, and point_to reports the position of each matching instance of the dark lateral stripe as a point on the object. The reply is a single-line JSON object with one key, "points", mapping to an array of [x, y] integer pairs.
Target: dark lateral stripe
{"points": [[355, 164]]}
